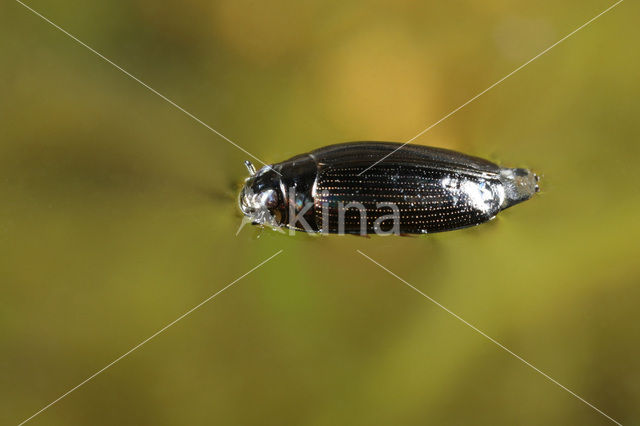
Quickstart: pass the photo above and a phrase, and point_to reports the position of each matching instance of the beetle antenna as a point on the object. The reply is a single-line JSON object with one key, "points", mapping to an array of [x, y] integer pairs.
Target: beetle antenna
{"points": [[252, 170]]}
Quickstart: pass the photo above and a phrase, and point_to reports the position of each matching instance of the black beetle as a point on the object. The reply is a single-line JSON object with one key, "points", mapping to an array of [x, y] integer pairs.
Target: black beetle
{"points": [[417, 190]]}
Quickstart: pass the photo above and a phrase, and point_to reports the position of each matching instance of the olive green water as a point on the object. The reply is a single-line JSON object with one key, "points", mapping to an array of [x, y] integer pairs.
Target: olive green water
{"points": [[118, 215]]}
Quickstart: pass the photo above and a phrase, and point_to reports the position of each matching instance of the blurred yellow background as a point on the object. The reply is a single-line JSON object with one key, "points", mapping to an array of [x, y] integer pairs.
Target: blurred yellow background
{"points": [[119, 214]]}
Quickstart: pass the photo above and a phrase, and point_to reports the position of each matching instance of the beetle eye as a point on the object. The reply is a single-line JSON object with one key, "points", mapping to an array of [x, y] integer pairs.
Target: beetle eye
{"points": [[270, 199]]}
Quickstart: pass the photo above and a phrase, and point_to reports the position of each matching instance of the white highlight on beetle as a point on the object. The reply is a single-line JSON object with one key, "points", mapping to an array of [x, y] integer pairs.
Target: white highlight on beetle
{"points": [[494, 85], [479, 195], [491, 339], [149, 338], [151, 89]]}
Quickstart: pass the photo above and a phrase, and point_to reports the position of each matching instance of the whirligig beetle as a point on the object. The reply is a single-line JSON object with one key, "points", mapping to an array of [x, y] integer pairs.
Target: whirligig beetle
{"points": [[417, 190]]}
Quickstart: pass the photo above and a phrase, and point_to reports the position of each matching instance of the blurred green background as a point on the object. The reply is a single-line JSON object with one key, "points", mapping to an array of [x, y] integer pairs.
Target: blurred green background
{"points": [[118, 214]]}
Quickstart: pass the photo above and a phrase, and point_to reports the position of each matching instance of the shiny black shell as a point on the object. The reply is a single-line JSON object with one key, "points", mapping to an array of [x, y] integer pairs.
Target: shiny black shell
{"points": [[428, 185]]}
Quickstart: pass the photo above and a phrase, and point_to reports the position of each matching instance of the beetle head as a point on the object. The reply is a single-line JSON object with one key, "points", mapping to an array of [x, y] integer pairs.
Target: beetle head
{"points": [[262, 199]]}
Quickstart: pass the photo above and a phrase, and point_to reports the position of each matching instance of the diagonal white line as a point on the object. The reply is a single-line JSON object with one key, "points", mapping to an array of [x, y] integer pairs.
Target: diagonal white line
{"points": [[144, 84], [494, 84], [500, 345], [147, 339]]}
